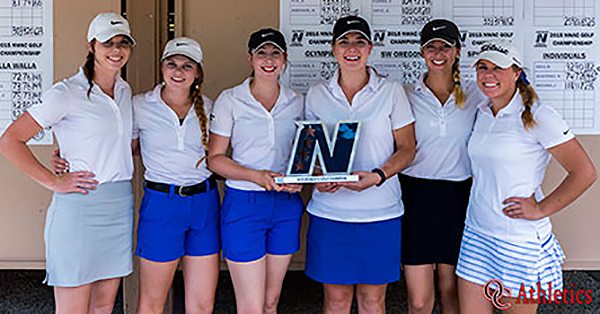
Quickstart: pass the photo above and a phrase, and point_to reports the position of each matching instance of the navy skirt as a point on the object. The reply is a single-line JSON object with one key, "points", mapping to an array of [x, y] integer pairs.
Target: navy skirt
{"points": [[434, 219]]}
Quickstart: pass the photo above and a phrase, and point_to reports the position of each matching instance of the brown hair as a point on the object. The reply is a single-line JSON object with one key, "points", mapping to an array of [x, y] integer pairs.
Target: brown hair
{"points": [[88, 67], [529, 97], [459, 94], [198, 103]]}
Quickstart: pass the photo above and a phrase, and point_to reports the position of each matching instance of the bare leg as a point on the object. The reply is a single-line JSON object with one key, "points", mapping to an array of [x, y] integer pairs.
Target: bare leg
{"points": [[448, 285], [521, 308], [74, 300], [471, 298], [338, 299], [277, 266], [103, 294], [420, 286], [249, 285], [371, 299], [155, 281], [200, 275]]}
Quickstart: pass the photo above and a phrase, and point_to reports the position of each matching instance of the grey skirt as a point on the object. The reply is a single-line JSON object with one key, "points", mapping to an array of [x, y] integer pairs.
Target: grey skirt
{"points": [[89, 237]]}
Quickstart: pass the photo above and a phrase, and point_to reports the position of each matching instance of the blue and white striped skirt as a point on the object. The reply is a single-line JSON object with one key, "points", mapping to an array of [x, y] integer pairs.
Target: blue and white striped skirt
{"points": [[516, 265]]}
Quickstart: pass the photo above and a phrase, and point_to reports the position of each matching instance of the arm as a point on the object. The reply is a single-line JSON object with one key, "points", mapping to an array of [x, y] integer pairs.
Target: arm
{"points": [[221, 164], [404, 139], [13, 146], [135, 147], [581, 174]]}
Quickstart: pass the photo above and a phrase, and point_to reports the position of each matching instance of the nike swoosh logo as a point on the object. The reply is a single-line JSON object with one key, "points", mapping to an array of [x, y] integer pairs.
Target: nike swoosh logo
{"points": [[180, 44], [267, 34], [438, 28], [565, 132], [115, 22], [353, 22]]}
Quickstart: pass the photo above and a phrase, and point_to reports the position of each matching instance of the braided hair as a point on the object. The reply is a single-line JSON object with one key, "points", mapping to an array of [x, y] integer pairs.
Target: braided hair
{"points": [[529, 97], [198, 104], [88, 67], [459, 94]]}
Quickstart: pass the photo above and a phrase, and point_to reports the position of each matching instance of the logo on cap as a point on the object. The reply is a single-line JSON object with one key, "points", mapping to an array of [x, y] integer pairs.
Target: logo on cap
{"points": [[267, 34], [494, 47], [438, 28], [353, 21], [181, 44], [116, 22]]}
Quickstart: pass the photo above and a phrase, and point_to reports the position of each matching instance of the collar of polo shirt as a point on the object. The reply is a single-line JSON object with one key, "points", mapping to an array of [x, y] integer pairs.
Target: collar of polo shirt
{"points": [[84, 84], [515, 105], [242, 92], [375, 80]]}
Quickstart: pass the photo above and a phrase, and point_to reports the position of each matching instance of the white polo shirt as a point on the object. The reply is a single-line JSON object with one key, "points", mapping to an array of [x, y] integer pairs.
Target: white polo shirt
{"points": [[442, 132], [94, 134], [508, 161], [382, 107], [260, 139], [170, 150]]}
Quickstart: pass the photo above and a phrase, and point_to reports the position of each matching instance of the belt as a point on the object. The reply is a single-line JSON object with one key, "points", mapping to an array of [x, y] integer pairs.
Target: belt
{"points": [[189, 190]]}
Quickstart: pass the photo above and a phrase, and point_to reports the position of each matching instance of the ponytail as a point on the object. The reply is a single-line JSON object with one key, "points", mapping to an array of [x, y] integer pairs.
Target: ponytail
{"points": [[529, 97], [88, 68], [198, 103], [459, 94]]}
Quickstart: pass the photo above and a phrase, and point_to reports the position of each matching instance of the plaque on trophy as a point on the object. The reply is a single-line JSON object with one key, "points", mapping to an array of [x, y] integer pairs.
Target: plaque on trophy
{"points": [[335, 155]]}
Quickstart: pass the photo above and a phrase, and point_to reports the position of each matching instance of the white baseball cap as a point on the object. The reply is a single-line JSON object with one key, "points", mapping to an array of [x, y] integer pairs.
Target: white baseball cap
{"points": [[500, 52], [108, 25], [183, 46]]}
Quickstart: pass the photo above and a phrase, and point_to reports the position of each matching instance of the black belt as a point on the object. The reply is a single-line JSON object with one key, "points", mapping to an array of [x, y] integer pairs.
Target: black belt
{"points": [[189, 190]]}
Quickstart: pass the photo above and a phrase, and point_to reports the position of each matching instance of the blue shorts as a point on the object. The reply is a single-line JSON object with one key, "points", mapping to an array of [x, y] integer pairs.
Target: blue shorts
{"points": [[346, 253], [171, 226], [255, 223]]}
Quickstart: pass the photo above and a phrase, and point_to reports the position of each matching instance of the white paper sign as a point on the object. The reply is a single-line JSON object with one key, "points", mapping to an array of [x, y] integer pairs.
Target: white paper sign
{"points": [[556, 37], [25, 59]]}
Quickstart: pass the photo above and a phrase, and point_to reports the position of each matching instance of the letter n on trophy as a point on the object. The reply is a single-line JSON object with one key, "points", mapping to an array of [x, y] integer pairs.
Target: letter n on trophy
{"points": [[335, 155]]}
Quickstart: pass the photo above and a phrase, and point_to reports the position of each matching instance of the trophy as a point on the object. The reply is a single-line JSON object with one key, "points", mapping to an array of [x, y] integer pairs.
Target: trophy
{"points": [[335, 158]]}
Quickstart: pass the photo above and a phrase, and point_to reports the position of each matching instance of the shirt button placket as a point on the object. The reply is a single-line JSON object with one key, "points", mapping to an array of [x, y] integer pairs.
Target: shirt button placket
{"points": [[442, 120], [117, 113], [180, 135], [271, 137]]}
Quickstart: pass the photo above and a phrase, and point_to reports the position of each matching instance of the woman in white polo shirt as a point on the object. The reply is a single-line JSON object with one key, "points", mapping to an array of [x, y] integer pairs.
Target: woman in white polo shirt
{"points": [[179, 215], [508, 235], [260, 220], [90, 219], [444, 107], [354, 233]]}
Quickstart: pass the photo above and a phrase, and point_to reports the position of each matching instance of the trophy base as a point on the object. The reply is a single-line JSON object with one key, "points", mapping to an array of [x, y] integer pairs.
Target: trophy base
{"points": [[317, 179]]}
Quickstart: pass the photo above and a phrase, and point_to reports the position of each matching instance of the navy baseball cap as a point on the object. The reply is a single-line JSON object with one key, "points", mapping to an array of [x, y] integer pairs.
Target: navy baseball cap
{"points": [[349, 24], [440, 29], [266, 36]]}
